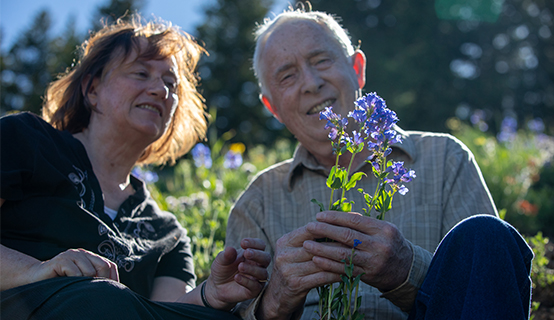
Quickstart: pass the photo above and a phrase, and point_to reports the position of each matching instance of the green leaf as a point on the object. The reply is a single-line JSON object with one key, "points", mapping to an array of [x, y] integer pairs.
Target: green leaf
{"points": [[331, 180], [375, 172], [357, 280], [335, 305], [335, 205], [353, 180], [387, 202], [338, 291], [346, 206], [321, 206], [343, 278], [348, 270]]}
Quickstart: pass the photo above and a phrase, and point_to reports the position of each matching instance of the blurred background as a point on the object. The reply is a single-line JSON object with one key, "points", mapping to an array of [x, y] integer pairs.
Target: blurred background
{"points": [[482, 70], [486, 62]]}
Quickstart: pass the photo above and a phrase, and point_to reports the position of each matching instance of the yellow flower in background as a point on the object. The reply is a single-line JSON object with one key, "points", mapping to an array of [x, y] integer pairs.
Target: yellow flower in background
{"points": [[237, 148]]}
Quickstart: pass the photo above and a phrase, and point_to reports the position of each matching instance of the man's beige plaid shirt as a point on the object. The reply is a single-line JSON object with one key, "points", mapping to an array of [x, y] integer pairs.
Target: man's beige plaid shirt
{"points": [[449, 187]]}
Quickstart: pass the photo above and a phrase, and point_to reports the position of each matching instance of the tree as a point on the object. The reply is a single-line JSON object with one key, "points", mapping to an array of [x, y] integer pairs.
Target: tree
{"points": [[435, 60], [228, 83], [114, 10], [25, 71], [37, 58]]}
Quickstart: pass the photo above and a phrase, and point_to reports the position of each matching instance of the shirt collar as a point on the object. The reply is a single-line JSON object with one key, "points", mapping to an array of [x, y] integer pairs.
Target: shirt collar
{"points": [[304, 159]]}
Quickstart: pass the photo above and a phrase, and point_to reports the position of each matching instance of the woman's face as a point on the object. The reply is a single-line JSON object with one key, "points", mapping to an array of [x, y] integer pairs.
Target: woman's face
{"points": [[136, 96]]}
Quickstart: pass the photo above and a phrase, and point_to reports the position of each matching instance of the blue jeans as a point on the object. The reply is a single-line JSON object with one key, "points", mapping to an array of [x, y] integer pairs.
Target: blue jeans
{"points": [[480, 271]]}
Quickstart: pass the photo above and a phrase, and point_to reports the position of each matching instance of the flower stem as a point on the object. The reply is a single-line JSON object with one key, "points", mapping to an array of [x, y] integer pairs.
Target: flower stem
{"points": [[347, 175], [333, 190]]}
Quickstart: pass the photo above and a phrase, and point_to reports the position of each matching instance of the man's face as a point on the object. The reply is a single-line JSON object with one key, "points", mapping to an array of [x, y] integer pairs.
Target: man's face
{"points": [[304, 70]]}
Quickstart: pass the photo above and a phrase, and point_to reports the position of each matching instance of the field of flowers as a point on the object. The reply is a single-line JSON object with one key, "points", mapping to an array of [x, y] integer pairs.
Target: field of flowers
{"points": [[517, 166]]}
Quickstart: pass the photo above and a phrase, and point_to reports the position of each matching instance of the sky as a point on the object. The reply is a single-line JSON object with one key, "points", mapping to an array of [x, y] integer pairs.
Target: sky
{"points": [[17, 15]]}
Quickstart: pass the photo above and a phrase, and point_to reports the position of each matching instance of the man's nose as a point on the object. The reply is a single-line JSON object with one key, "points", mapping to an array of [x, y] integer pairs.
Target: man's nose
{"points": [[312, 81]]}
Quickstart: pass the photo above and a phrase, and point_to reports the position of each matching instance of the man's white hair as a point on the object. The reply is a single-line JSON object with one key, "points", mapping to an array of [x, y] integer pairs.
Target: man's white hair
{"points": [[327, 21]]}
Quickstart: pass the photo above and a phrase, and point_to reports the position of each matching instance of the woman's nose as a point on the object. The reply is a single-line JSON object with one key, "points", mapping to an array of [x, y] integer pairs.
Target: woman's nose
{"points": [[159, 88]]}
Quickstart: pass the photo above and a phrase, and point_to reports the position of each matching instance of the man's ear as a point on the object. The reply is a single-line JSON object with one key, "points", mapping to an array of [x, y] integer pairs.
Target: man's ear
{"points": [[267, 104], [359, 65], [90, 95]]}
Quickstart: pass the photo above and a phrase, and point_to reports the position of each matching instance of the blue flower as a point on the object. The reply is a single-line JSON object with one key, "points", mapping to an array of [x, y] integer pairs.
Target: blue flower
{"points": [[202, 156], [333, 133], [359, 116], [399, 174], [232, 160], [357, 242], [536, 125], [328, 115], [357, 139], [403, 190], [145, 175]]}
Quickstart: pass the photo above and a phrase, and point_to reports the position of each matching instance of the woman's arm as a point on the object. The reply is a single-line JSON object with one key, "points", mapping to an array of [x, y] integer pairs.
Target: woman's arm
{"points": [[17, 269], [234, 277]]}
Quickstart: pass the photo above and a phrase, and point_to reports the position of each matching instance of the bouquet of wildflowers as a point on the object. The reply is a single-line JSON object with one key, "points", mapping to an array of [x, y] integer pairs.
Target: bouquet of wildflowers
{"points": [[375, 131]]}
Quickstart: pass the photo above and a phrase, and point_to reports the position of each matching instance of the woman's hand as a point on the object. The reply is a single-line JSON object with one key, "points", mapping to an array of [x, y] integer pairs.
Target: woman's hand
{"points": [[18, 269], [237, 276], [75, 263]]}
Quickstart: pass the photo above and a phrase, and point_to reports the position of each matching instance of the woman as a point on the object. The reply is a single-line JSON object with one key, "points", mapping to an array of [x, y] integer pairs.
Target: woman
{"points": [[81, 237]]}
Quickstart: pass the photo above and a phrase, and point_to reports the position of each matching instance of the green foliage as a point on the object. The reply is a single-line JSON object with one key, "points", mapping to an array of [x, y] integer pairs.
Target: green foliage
{"points": [[540, 274], [202, 198], [518, 173]]}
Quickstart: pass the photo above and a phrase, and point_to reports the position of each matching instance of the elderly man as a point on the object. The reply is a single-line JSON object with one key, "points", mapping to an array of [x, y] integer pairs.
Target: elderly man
{"points": [[305, 62]]}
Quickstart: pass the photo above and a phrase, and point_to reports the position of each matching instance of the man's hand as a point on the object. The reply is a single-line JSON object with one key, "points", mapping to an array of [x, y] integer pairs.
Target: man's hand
{"points": [[384, 255], [237, 275], [294, 275]]}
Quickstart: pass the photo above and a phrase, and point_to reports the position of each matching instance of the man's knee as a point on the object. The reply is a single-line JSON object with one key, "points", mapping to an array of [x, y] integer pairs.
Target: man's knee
{"points": [[489, 234]]}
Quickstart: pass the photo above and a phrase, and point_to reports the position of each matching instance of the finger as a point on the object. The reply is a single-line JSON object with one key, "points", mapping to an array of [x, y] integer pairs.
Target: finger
{"points": [[344, 235], [333, 252], [308, 281], [252, 285], [114, 273], [334, 266], [66, 268], [103, 267], [75, 258], [258, 257], [352, 220], [294, 238], [227, 257], [255, 272], [253, 243], [291, 256]]}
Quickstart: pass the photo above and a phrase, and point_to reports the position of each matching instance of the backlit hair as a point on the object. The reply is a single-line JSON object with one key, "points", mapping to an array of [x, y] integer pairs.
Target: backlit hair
{"points": [[302, 12], [66, 105]]}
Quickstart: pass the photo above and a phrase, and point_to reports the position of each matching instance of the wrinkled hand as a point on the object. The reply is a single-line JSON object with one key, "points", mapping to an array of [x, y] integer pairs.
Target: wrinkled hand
{"points": [[384, 255], [236, 275], [74, 263], [294, 275]]}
